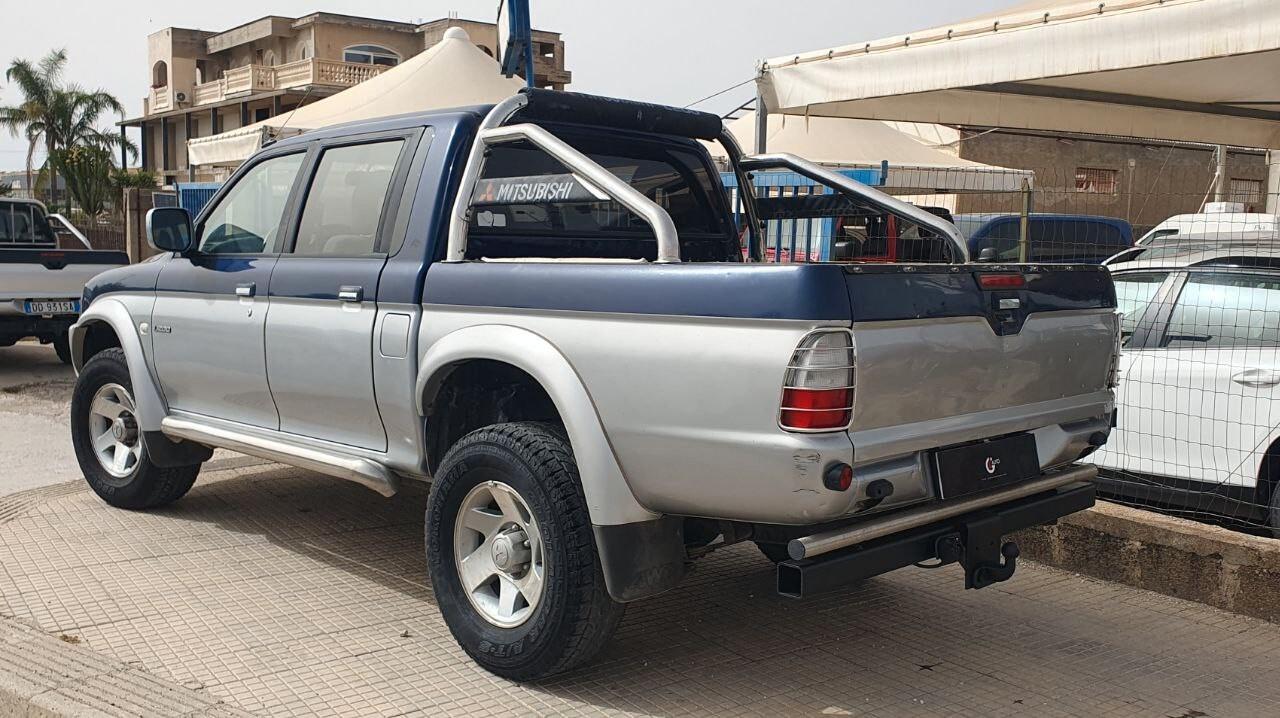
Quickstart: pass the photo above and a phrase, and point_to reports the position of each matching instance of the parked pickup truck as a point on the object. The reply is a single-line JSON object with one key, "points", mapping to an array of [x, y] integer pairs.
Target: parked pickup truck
{"points": [[542, 308], [40, 285]]}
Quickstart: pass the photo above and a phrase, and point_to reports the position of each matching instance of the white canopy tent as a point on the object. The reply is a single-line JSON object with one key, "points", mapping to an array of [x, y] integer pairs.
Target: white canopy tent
{"points": [[1191, 70], [909, 164], [452, 73]]}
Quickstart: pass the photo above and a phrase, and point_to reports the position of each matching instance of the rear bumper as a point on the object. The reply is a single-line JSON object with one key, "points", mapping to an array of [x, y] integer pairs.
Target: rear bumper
{"points": [[19, 326], [971, 537]]}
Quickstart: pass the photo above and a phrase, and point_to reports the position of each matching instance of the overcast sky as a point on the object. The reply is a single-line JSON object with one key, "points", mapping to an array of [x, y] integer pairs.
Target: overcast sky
{"points": [[671, 51]]}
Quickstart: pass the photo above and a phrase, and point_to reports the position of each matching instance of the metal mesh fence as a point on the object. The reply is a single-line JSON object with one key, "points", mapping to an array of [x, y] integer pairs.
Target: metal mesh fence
{"points": [[1196, 264]]}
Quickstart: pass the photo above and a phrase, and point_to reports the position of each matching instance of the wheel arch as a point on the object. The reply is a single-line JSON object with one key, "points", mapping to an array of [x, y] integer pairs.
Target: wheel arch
{"points": [[1268, 475], [609, 498], [107, 319]]}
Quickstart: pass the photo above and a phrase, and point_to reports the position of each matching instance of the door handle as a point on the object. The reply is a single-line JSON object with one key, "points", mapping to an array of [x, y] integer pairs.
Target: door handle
{"points": [[248, 289], [1257, 378], [351, 294]]}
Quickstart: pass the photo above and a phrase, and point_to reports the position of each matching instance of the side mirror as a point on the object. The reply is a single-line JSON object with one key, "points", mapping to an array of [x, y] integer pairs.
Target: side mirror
{"points": [[169, 229], [987, 255]]}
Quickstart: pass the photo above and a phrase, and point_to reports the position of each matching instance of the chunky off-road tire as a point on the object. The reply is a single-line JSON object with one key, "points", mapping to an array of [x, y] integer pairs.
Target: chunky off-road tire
{"points": [[62, 346], [572, 616], [775, 552], [137, 483]]}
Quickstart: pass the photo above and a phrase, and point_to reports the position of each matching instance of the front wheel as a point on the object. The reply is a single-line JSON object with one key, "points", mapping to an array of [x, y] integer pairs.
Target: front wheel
{"points": [[512, 555], [108, 440]]}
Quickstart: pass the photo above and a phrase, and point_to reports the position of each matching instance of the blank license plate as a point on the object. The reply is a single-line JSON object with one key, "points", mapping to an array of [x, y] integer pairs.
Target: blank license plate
{"points": [[986, 465], [52, 307]]}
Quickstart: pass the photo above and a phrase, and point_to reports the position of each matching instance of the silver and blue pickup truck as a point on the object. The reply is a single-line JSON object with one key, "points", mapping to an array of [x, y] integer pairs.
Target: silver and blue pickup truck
{"points": [[40, 284], [544, 309]]}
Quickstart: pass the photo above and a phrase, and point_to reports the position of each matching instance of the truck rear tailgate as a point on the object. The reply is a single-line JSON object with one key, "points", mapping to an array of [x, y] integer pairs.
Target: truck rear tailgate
{"points": [[950, 354]]}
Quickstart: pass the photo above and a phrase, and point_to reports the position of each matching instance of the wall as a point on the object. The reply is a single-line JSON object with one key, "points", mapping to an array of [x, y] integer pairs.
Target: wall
{"points": [[1164, 180], [331, 38]]}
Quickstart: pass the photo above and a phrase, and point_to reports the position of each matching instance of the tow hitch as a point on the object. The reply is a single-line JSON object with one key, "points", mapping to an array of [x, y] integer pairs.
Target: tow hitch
{"points": [[986, 558], [975, 540]]}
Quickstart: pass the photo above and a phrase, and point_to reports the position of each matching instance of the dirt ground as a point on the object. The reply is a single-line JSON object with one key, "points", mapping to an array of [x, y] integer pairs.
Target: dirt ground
{"points": [[35, 394]]}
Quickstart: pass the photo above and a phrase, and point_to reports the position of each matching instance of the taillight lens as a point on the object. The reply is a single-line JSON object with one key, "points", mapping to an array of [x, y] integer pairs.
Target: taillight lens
{"points": [[817, 394], [1002, 281]]}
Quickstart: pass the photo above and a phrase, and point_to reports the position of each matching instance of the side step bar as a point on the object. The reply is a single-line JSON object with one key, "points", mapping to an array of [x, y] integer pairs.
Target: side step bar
{"points": [[362, 471], [827, 541]]}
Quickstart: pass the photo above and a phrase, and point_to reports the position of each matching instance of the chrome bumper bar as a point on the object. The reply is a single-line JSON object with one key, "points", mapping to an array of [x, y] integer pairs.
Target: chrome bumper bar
{"points": [[827, 541]]}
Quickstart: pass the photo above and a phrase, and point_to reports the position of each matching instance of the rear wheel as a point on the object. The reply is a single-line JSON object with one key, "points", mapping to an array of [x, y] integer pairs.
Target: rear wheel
{"points": [[108, 441], [512, 554], [62, 346]]}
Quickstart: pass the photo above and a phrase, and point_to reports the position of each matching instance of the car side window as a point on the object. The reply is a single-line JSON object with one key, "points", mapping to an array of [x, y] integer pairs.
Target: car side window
{"points": [[1221, 309], [1134, 292], [344, 206], [247, 220]]}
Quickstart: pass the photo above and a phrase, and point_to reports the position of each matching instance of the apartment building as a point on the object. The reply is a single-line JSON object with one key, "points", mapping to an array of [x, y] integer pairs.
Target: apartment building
{"points": [[203, 82]]}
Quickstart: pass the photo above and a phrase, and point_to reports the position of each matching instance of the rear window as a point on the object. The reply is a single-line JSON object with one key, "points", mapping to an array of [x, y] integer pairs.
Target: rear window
{"points": [[527, 196], [24, 225]]}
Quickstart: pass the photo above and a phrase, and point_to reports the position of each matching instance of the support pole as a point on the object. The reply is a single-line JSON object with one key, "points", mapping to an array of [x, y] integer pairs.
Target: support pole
{"points": [[191, 170], [1024, 223], [124, 151], [1220, 176], [762, 121], [164, 144], [1273, 182]]}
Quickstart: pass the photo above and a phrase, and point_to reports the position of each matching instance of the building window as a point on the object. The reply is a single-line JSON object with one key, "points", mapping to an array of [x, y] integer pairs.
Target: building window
{"points": [[1096, 181], [1246, 191], [160, 74], [370, 55]]}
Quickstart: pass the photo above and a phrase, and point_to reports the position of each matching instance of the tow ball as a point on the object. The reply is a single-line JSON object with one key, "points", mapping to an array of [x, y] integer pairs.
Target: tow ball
{"points": [[979, 547]]}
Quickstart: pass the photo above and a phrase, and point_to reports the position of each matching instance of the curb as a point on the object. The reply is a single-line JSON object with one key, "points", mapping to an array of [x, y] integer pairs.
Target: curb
{"points": [[41, 675], [1176, 557]]}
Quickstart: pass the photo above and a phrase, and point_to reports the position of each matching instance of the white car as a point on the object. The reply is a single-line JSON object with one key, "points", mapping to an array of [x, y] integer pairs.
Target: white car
{"points": [[1198, 408], [1219, 223]]}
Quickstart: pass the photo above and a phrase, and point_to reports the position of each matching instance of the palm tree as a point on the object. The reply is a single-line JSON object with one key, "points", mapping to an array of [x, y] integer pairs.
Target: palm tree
{"points": [[38, 83], [61, 117]]}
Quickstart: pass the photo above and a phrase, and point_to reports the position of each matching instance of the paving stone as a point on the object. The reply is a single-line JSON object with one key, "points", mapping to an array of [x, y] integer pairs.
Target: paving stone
{"points": [[285, 593]]}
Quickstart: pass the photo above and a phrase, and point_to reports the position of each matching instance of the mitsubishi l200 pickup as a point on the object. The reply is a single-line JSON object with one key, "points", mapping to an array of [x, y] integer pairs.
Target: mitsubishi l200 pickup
{"points": [[40, 284], [543, 308]]}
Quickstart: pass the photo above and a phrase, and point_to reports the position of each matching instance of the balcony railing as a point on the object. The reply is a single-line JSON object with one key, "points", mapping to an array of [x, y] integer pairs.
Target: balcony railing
{"points": [[302, 73], [161, 100]]}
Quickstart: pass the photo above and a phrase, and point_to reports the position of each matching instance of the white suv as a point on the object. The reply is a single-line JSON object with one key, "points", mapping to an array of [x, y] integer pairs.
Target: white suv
{"points": [[1198, 424]]}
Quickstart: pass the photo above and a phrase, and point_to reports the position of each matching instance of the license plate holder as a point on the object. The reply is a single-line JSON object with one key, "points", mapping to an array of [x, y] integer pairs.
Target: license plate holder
{"points": [[985, 465], [45, 307]]}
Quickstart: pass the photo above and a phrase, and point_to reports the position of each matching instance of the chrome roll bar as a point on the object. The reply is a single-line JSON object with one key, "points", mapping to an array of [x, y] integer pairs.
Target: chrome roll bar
{"points": [[493, 131], [855, 189]]}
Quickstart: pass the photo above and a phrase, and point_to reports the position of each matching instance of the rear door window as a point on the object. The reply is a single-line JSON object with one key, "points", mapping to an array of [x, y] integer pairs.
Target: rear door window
{"points": [[345, 203], [1074, 240], [1226, 309]]}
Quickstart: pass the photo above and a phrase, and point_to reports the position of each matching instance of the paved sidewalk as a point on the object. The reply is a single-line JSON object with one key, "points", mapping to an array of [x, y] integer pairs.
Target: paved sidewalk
{"points": [[287, 593]]}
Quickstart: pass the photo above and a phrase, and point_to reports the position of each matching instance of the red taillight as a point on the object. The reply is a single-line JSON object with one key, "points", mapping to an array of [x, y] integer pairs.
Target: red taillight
{"points": [[1002, 281], [817, 393], [816, 409]]}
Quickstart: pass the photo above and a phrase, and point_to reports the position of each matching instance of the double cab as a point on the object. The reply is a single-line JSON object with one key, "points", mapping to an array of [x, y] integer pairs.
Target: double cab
{"points": [[544, 309]]}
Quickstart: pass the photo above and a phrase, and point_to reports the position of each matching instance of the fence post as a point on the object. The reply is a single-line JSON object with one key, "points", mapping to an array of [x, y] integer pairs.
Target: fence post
{"points": [[1024, 223], [1273, 182]]}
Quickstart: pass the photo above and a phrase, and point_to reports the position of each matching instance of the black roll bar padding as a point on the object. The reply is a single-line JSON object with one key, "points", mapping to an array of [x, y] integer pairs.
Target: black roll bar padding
{"points": [[578, 108]]}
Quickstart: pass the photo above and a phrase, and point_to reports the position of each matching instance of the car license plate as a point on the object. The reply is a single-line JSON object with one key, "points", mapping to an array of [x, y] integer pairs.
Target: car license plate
{"points": [[986, 465], [52, 307]]}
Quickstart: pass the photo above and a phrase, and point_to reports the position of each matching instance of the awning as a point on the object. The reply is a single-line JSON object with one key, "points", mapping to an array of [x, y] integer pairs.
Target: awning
{"points": [[903, 162], [451, 73], [1191, 70]]}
